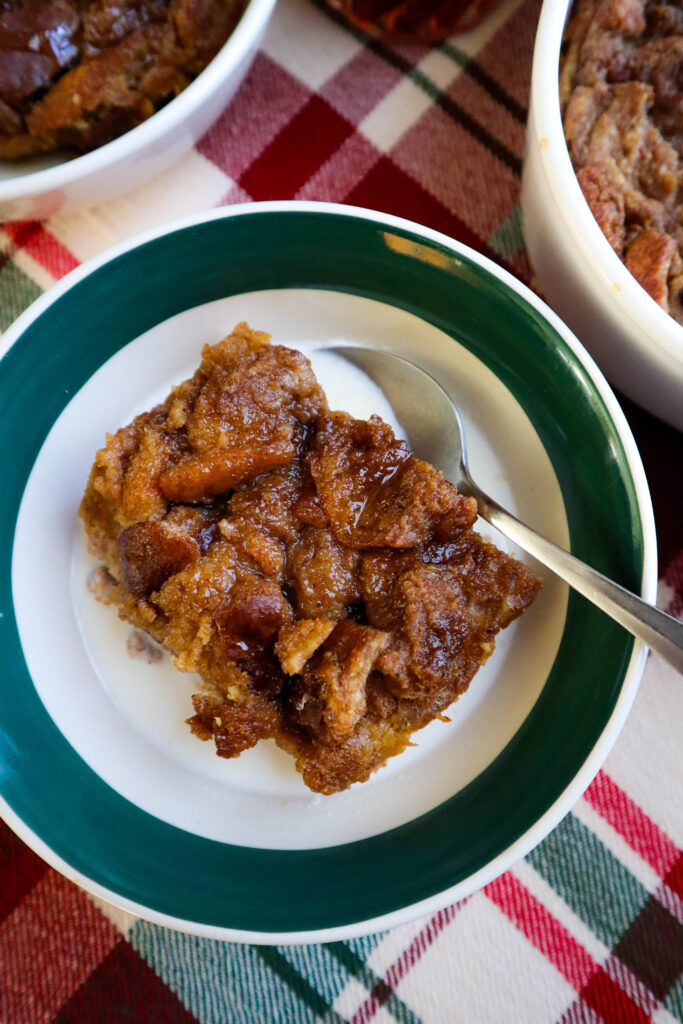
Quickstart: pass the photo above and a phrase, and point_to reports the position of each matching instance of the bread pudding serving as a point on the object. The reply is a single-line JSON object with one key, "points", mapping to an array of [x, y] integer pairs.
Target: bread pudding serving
{"points": [[326, 584]]}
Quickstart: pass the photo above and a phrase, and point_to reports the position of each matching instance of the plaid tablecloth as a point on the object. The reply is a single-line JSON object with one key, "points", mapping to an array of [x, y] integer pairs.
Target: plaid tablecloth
{"points": [[589, 926]]}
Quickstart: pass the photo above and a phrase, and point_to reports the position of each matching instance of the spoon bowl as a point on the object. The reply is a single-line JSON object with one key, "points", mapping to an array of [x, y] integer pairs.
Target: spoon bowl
{"points": [[433, 426]]}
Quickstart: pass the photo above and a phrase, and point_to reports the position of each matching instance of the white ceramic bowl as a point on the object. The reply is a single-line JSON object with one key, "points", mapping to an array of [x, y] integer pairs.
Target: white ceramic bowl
{"points": [[636, 344], [43, 186]]}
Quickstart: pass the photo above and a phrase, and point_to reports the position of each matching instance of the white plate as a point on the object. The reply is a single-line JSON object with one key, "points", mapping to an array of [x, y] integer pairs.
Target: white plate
{"points": [[105, 703], [99, 772]]}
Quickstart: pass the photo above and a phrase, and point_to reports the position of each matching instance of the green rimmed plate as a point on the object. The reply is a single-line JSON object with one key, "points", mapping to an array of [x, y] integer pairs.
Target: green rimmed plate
{"points": [[99, 775]]}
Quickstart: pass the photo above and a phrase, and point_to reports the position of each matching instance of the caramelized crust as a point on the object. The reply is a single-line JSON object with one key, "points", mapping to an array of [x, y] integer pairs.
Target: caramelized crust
{"points": [[297, 642], [335, 600]]}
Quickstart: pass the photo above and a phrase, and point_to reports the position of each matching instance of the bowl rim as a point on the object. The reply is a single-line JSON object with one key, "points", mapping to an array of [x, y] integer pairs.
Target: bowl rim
{"points": [[133, 142], [586, 772], [621, 289]]}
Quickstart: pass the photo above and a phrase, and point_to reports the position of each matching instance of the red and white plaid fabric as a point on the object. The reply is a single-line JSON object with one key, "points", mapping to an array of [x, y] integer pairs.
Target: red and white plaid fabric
{"points": [[589, 927]]}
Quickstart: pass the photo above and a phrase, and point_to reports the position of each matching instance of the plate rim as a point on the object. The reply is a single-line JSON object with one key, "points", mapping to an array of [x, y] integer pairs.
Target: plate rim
{"points": [[547, 821]]}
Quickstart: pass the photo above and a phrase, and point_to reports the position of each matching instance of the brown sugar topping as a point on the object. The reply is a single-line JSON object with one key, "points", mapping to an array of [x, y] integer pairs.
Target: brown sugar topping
{"points": [[335, 599]]}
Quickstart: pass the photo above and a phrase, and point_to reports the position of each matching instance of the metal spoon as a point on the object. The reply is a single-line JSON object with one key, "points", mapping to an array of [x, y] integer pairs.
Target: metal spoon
{"points": [[434, 428]]}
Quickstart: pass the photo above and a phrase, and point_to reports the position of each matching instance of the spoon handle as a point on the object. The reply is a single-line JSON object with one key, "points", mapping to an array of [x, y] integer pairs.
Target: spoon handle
{"points": [[661, 632]]}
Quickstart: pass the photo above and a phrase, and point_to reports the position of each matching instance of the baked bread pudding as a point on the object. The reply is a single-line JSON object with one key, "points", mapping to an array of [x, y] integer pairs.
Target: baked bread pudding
{"points": [[326, 585], [77, 73], [621, 90]]}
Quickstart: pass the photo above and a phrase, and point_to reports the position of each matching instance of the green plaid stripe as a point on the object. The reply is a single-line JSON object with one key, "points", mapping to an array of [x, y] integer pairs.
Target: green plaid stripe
{"points": [[440, 98], [302, 984], [309, 995], [673, 1000], [298, 983], [614, 898], [507, 240], [356, 967], [316, 967], [223, 982], [17, 291], [495, 90], [641, 933]]}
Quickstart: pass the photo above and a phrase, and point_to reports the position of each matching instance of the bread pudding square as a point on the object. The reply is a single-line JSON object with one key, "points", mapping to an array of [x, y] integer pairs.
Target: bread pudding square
{"points": [[325, 583]]}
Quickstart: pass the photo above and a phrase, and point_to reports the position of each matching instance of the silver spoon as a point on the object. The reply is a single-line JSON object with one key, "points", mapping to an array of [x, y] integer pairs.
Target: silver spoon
{"points": [[434, 428]]}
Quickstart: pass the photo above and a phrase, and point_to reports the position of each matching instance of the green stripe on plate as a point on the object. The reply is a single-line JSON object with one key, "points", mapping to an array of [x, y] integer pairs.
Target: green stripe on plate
{"points": [[283, 891]]}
